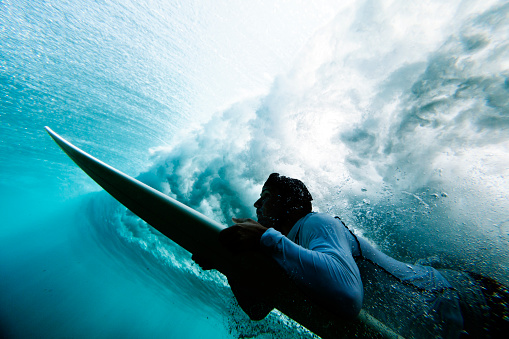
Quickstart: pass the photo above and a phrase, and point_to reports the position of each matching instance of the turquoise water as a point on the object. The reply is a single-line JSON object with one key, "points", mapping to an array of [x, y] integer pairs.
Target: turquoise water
{"points": [[396, 115]]}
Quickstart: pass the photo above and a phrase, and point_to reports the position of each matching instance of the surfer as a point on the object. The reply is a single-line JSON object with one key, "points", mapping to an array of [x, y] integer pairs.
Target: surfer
{"points": [[311, 249], [343, 272]]}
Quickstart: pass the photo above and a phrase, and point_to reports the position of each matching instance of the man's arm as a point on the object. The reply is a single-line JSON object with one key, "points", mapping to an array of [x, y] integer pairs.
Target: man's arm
{"points": [[325, 271]]}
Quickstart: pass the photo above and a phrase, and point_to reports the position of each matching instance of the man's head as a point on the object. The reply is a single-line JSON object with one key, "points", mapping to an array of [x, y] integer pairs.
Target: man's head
{"points": [[283, 201]]}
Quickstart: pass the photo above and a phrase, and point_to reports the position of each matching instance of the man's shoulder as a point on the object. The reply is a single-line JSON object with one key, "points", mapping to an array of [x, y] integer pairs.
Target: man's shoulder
{"points": [[323, 217], [321, 226], [317, 219]]}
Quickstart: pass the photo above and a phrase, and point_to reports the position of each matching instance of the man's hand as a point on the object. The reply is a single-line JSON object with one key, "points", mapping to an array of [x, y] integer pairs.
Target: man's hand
{"points": [[243, 236]]}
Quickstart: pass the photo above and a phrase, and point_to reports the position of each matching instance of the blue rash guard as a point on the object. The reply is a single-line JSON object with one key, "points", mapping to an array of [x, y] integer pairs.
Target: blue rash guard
{"points": [[327, 261], [317, 256]]}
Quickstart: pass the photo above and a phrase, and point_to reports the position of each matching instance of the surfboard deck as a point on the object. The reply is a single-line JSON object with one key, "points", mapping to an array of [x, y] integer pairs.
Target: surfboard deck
{"points": [[198, 234]]}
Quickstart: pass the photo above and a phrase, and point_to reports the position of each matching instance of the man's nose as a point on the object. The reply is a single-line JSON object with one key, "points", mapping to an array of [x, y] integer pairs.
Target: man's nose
{"points": [[257, 203]]}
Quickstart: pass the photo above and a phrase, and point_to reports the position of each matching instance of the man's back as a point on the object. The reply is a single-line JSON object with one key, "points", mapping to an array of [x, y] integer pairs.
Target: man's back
{"points": [[414, 300]]}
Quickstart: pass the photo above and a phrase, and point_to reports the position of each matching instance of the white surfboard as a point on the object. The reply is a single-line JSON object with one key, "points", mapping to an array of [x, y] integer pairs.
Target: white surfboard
{"points": [[198, 234]]}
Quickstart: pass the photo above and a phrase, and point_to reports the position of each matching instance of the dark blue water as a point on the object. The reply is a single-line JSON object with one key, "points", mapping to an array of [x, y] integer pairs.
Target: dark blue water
{"points": [[396, 115]]}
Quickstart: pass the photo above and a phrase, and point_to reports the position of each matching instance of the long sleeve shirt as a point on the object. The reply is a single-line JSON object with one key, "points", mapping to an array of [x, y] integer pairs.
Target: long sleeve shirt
{"points": [[317, 255], [326, 260]]}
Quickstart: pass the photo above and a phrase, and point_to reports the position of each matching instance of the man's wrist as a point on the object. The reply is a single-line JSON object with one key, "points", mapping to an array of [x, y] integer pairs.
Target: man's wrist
{"points": [[269, 240]]}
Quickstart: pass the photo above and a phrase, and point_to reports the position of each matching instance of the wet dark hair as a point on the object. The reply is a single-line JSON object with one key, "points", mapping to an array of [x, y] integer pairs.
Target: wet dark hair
{"points": [[294, 194]]}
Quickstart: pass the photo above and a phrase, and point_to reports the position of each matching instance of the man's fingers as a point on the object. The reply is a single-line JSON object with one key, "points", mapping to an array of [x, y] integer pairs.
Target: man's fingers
{"points": [[239, 238]]}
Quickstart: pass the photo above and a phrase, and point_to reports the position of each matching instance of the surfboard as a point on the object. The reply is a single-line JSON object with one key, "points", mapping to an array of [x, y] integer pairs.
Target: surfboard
{"points": [[198, 234]]}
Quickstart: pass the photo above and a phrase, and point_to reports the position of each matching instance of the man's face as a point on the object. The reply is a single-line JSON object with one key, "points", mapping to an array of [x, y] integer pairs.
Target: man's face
{"points": [[269, 209]]}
